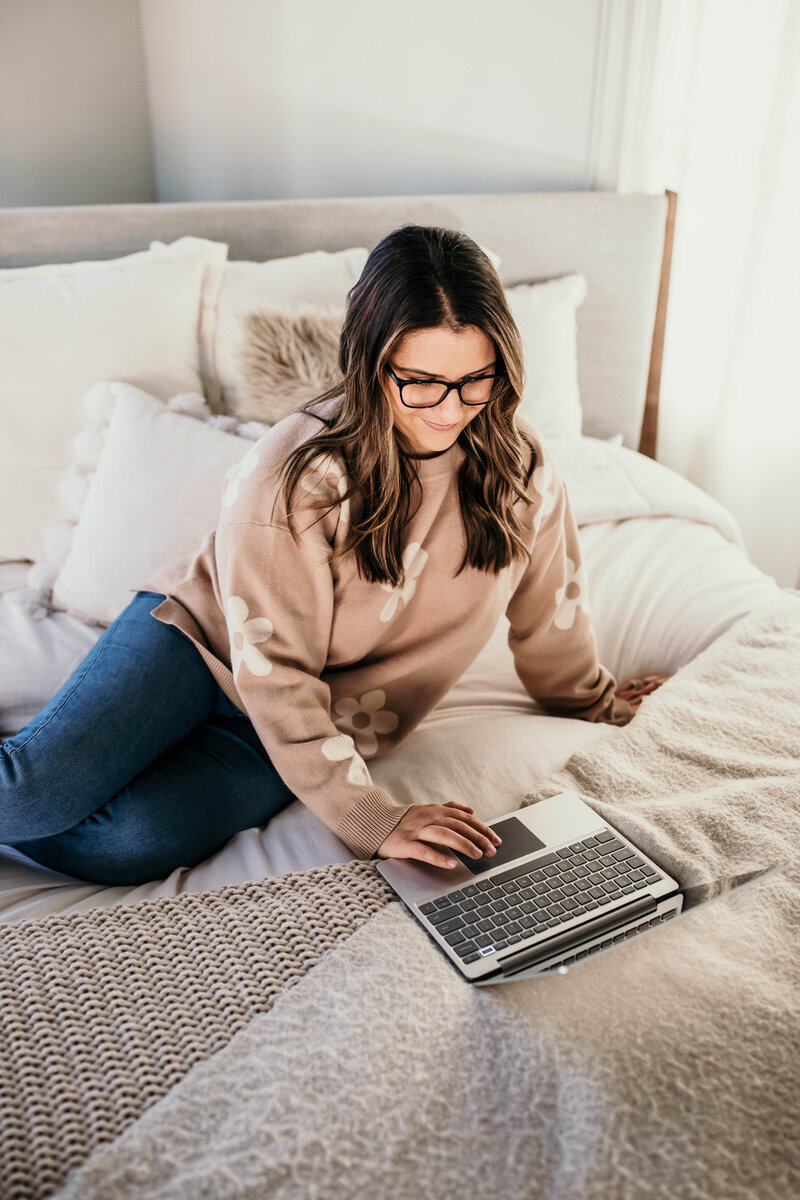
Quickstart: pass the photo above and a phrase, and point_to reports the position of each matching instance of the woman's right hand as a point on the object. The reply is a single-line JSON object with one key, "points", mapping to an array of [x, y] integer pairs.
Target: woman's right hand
{"points": [[634, 690], [449, 824]]}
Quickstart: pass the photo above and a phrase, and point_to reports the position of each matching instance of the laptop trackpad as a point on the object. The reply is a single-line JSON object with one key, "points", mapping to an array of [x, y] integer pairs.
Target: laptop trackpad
{"points": [[517, 841]]}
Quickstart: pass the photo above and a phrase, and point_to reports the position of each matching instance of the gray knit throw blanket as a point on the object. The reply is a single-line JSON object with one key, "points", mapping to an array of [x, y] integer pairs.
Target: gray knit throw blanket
{"points": [[102, 1012]]}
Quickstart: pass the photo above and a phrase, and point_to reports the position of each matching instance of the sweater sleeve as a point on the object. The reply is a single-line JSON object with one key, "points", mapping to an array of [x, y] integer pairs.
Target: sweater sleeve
{"points": [[551, 634], [278, 597]]}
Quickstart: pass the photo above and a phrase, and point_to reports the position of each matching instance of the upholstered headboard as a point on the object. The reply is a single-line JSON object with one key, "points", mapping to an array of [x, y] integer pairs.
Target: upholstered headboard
{"points": [[620, 242]]}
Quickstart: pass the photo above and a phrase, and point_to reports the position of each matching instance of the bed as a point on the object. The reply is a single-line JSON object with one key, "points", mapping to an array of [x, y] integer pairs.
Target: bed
{"points": [[670, 587]]}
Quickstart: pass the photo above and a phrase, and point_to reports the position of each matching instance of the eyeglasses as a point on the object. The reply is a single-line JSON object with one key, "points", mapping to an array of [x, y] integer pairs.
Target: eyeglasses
{"points": [[428, 393]]}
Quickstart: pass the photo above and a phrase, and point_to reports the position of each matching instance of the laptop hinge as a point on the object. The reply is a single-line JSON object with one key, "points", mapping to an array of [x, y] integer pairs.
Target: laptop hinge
{"points": [[576, 937]]}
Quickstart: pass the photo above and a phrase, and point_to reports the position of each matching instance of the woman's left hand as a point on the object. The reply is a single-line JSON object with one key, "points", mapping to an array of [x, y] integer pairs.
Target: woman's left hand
{"points": [[634, 690]]}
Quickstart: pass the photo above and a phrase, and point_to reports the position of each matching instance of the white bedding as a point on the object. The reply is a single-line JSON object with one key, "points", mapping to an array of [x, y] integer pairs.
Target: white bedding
{"points": [[667, 575]]}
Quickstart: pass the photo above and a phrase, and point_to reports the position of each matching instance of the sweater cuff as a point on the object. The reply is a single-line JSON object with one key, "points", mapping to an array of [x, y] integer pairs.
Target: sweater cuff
{"points": [[621, 713], [370, 821]]}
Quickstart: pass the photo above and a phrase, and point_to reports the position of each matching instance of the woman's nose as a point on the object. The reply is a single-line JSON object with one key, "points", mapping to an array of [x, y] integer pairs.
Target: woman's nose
{"points": [[448, 412]]}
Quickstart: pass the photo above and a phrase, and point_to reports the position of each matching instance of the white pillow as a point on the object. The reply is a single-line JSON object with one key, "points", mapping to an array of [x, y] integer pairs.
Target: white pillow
{"points": [[315, 277], [65, 326], [545, 314], [145, 488]]}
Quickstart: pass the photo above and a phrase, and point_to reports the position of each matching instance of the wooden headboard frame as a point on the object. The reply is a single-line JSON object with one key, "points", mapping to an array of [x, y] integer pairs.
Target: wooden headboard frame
{"points": [[647, 443]]}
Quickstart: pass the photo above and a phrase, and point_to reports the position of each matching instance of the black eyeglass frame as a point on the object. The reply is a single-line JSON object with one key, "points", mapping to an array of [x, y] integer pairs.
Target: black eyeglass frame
{"points": [[401, 383]]}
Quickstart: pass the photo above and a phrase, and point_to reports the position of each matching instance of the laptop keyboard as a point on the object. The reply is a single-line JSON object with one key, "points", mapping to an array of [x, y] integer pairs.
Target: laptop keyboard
{"points": [[525, 900]]}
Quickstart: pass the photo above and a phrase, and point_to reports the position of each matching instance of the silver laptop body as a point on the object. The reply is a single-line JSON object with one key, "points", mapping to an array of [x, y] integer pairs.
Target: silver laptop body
{"points": [[563, 884]]}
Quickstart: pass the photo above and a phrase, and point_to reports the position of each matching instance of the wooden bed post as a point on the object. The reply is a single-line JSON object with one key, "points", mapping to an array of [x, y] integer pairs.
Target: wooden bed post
{"points": [[647, 442]]}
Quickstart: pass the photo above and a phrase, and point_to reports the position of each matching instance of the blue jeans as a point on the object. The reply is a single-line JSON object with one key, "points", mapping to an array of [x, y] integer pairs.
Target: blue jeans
{"points": [[138, 765]]}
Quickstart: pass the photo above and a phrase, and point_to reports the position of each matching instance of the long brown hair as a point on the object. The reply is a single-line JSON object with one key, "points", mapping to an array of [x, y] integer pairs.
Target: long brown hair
{"points": [[421, 277]]}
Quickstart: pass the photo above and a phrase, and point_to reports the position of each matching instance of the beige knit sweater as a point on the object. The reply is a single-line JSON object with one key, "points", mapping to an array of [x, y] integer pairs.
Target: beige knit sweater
{"points": [[333, 670]]}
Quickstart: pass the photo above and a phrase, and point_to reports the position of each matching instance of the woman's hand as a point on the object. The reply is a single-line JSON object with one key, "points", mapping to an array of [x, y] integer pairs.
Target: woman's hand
{"points": [[448, 824], [634, 690]]}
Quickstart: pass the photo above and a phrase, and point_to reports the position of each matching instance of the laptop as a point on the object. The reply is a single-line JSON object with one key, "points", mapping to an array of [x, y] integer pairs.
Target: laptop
{"points": [[563, 885]]}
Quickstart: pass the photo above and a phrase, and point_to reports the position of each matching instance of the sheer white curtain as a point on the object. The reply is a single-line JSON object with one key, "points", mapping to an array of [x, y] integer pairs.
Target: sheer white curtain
{"points": [[722, 128]]}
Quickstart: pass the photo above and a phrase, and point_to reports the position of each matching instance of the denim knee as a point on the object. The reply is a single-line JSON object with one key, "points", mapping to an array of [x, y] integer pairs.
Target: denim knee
{"points": [[139, 690], [114, 853]]}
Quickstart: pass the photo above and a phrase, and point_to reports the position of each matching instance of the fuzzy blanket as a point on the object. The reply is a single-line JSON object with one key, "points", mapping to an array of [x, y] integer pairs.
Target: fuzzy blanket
{"points": [[667, 1066]]}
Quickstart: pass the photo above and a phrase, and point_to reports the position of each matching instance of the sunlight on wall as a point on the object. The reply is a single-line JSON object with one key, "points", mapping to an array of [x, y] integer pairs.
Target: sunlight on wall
{"points": [[725, 134]]}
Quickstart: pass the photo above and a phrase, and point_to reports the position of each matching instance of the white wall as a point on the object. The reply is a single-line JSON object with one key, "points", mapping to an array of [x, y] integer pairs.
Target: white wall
{"points": [[255, 99], [282, 98], [74, 118]]}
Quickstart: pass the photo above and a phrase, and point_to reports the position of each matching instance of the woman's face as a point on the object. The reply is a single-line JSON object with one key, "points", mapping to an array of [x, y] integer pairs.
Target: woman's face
{"points": [[442, 354]]}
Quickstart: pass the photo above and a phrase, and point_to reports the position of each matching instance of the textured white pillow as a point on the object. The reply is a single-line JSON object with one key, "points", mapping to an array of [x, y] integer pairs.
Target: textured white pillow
{"points": [[145, 488], [315, 277], [545, 314], [65, 326]]}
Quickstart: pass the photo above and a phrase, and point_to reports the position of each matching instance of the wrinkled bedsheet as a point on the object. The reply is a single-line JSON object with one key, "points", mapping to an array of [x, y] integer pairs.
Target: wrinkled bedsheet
{"points": [[666, 1066]]}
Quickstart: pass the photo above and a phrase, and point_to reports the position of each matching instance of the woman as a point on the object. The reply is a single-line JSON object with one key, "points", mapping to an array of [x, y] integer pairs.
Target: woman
{"points": [[366, 548]]}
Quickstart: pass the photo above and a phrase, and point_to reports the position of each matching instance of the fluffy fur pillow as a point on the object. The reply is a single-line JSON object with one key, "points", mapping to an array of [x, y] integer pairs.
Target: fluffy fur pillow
{"points": [[287, 356]]}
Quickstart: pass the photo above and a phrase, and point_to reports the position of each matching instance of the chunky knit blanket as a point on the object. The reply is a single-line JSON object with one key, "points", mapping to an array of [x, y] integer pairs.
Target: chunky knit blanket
{"points": [[102, 1012], [302, 1037]]}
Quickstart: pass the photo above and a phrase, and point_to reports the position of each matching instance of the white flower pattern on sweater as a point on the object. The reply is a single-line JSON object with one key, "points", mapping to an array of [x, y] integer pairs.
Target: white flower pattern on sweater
{"points": [[238, 473], [244, 636], [414, 559], [542, 479], [571, 596], [327, 479], [340, 748], [364, 718]]}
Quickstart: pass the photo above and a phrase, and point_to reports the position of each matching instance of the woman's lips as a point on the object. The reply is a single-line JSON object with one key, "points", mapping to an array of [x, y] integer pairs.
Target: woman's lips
{"points": [[439, 428]]}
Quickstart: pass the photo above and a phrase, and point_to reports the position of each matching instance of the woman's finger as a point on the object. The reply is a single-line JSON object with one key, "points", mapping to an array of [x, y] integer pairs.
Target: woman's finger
{"points": [[480, 827], [429, 854], [459, 835], [644, 681]]}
